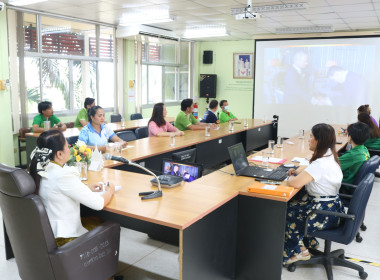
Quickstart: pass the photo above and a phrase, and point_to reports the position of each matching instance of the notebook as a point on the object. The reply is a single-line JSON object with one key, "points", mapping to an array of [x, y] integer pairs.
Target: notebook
{"points": [[283, 191]]}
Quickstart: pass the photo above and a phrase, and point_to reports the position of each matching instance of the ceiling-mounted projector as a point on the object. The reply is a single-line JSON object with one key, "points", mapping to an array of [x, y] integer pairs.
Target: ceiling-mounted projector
{"points": [[247, 16]]}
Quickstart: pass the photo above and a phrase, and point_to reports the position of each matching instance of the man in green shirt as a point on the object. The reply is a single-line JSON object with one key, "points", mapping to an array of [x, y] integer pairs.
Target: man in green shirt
{"points": [[45, 109], [225, 115], [352, 160], [185, 119], [82, 117]]}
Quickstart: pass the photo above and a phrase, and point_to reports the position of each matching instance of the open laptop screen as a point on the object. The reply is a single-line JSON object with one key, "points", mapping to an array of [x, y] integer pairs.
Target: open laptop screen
{"points": [[188, 171], [238, 157]]}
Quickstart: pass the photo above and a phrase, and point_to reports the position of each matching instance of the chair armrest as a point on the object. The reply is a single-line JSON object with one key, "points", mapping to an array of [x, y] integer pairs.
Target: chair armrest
{"points": [[328, 213], [349, 185], [93, 255], [343, 195]]}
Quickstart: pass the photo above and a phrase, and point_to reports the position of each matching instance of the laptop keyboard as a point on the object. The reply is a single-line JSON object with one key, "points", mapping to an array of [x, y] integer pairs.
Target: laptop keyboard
{"points": [[278, 174]]}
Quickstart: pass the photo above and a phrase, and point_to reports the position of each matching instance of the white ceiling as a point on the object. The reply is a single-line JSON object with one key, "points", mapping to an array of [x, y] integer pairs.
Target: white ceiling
{"points": [[344, 15]]}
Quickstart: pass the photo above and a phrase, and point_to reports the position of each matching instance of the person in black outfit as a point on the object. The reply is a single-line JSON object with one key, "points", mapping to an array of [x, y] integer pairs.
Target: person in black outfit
{"points": [[209, 116]]}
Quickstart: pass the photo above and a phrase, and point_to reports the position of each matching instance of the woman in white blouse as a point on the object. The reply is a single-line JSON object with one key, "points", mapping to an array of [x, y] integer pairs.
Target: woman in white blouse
{"points": [[322, 179], [61, 189]]}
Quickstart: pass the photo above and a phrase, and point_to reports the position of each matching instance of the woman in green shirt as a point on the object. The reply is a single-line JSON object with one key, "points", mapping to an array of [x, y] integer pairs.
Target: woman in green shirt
{"points": [[373, 141]]}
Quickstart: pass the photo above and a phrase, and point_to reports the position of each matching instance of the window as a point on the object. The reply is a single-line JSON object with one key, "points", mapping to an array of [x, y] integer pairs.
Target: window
{"points": [[165, 70], [65, 62]]}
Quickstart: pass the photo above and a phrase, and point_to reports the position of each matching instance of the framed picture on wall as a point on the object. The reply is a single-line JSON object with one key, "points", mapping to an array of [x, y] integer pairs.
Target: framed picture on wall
{"points": [[243, 65]]}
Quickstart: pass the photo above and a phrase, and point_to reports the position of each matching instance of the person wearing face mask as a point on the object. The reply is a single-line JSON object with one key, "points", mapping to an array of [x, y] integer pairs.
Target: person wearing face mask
{"points": [[209, 116], [225, 115]]}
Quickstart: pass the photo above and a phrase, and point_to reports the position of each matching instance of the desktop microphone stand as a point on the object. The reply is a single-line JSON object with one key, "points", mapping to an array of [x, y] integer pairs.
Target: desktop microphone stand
{"points": [[150, 194]]}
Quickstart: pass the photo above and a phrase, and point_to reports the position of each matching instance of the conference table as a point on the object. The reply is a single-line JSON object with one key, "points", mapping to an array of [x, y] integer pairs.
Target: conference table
{"points": [[224, 231], [31, 138]]}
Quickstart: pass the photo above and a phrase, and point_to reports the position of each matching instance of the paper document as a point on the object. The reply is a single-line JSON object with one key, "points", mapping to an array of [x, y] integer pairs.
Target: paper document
{"points": [[271, 159], [102, 192], [301, 161]]}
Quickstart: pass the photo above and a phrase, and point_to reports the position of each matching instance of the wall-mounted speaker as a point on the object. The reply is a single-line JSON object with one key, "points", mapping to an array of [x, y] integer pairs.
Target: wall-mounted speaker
{"points": [[207, 57], [207, 86]]}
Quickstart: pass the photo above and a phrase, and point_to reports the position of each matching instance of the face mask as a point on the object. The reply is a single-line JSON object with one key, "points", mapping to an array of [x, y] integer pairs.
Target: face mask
{"points": [[226, 108]]}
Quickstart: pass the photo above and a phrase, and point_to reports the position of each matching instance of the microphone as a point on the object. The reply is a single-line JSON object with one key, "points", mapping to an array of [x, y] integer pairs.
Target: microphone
{"points": [[144, 195], [108, 156]]}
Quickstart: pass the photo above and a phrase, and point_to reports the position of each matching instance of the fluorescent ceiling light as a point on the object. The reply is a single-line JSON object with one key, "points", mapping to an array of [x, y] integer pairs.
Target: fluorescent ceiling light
{"points": [[205, 31], [24, 2], [305, 29], [269, 8], [148, 17]]}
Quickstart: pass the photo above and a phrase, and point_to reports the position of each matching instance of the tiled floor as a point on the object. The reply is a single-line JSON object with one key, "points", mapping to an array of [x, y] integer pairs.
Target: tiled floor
{"points": [[142, 258]]}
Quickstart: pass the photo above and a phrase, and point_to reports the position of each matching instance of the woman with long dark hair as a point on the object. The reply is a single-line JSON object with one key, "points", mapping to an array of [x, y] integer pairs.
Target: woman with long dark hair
{"points": [[366, 109], [97, 132], [61, 189], [373, 142], [158, 126], [322, 179]]}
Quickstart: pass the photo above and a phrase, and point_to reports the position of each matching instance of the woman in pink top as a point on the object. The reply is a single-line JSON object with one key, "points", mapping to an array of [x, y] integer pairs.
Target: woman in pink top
{"points": [[158, 126]]}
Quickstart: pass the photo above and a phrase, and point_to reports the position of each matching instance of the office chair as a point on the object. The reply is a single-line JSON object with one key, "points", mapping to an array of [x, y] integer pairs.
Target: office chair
{"points": [[22, 139], [115, 118], [368, 167], [94, 255], [343, 234], [142, 132], [127, 135], [136, 116], [71, 140]]}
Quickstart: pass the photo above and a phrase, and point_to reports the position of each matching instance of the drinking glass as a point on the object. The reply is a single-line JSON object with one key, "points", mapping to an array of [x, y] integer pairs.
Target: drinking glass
{"points": [[117, 148], [207, 131], [172, 139], [122, 122], [82, 169], [46, 125], [231, 126], [245, 123], [265, 159], [280, 142], [301, 134], [271, 146]]}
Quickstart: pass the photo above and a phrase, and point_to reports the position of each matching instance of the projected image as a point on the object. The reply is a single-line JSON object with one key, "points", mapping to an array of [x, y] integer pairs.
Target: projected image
{"points": [[325, 75], [187, 172]]}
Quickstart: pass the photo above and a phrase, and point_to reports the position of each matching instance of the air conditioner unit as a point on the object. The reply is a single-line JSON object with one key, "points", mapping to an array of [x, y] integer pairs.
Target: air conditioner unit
{"points": [[130, 32]]}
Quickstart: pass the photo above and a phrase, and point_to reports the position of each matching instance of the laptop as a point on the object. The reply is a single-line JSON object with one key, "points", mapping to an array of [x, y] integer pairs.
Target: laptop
{"points": [[242, 167]]}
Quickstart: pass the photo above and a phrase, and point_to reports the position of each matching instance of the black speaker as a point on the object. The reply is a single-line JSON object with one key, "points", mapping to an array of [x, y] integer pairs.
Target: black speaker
{"points": [[208, 86], [207, 57]]}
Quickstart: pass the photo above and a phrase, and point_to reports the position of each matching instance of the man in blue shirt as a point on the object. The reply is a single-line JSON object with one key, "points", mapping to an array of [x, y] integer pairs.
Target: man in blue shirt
{"points": [[209, 116]]}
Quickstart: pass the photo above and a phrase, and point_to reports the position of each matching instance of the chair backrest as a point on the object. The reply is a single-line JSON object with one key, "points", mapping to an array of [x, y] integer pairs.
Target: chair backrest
{"points": [[367, 167], [357, 207], [115, 118], [136, 116], [69, 124], [26, 223], [127, 135], [71, 140], [142, 132], [23, 131]]}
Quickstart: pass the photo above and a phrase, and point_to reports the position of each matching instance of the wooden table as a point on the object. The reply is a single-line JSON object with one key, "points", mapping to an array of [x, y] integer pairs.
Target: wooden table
{"points": [[31, 138]]}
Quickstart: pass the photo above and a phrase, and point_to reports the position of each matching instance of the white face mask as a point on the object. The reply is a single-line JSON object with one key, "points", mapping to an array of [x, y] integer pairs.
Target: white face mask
{"points": [[226, 108]]}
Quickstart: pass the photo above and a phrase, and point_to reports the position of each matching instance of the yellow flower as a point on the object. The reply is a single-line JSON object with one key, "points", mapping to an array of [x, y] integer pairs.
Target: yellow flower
{"points": [[88, 150], [293, 226], [78, 158], [82, 149], [75, 152]]}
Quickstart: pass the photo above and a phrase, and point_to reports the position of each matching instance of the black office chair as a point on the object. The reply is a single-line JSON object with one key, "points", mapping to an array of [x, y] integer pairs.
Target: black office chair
{"points": [[136, 116], [142, 132], [127, 135], [71, 140], [115, 118], [343, 234], [93, 255], [368, 167]]}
